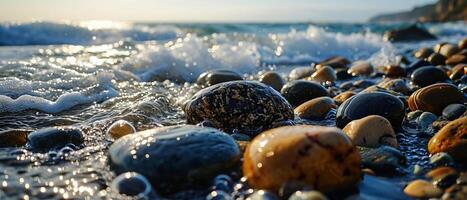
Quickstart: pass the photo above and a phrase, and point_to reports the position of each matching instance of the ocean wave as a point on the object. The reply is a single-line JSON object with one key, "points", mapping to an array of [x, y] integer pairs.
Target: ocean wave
{"points": [[27, 99], [49, 33]]}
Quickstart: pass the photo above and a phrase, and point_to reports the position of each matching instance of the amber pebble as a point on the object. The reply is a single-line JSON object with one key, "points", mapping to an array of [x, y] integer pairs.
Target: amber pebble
{"points": [[458, 71], [456, 59], [13, 138], [437, 47], [361, 68], [119, 129], [448, 50], [335, 62], [394, 71], [322, 157], [316, 108], [451, 139], [423, 53], [422, 189], [439, 172], [436, 59], [272, 79], [371, 131], [340, 98], [324, 74], [434, 98], [462, 43]]}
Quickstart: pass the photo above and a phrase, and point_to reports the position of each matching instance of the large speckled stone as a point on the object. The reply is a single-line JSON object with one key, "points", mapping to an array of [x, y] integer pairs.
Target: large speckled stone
{"points": [[322, 157], [451, 139], [246, 106], [175, 157]]}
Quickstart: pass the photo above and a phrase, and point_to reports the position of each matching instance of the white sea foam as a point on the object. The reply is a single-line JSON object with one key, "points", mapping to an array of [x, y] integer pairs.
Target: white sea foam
{"points": [[101, 91]]}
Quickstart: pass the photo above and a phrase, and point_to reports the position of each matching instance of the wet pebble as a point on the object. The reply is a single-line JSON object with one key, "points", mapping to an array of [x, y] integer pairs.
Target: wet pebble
{"points": [[442, 159], [272, 79], [315, 109], [308, 195], [458, 71], [374, 103], [213, 77], [298, 92], [451, 139], [396, 85], [429, 75], [13, 137], [340, 98], [52, 137], [361, 68], [324, 74], [244, 106], [435, 98], [454, 111], [448, 50], [436, 59], [425, 120], [422, 189], [132, 184], [119, 129], [423, 53], [384, 160], [175, 157], [456, 59], [394, 71], [371, 131], [297, 153]]}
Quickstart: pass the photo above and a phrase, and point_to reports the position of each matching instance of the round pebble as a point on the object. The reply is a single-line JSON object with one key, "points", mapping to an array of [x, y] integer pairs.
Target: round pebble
{"points": [[422, 189], [298, 92], [316, 108], [454, 111], [213, 77], [435, 98], [384, 160], [272, 79], [175, 157], [361, 68], [340, 98], [429, 75], [132, 184], [297, 153], [423, 53], [394, 71], [119, 129], [425, 120], [324, 74], [13, 138], [371, 131], [451, 139], [48, 138], [436, 59]]}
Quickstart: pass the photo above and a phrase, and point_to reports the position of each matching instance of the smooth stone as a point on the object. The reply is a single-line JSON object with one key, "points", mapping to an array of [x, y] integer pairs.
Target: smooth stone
{"points": [[361, 68], [454, 111], [316, 108], [462, 44], [340, 98], [442, 159], [371, 131], [448, 50], [300, 73], [425, 120], [175, 157], [423, 53], [396, 85], [411, 33], [458, 71], [426, 76], [372, 103], [436, 59], [439, 172], [298, 92], [244, 106], [298, 154], [272, 79], [443, 177], [422, 189], [119, 129], [451, 139], [308, 195], [48, 138], [262, 195], [132, 184], [13, 137], [213, 77], [456, 59], [394, 71], [438, 46], [435, 98], [324, 74], [384, 160], [416, 65], [414, 114], [342, 74], [336, 62]]}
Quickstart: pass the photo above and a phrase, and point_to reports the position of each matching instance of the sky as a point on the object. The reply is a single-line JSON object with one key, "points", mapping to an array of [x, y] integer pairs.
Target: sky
{"points": [[202, 10]]}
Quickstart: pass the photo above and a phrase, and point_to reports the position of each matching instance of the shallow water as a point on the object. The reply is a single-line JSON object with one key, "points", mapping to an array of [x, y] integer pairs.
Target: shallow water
{"points": [[90, 74]]}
